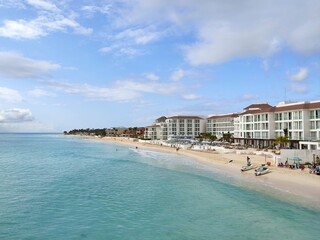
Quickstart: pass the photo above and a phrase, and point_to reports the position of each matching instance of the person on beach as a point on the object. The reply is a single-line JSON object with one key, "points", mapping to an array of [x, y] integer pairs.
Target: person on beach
{"points": [[248, 161]]}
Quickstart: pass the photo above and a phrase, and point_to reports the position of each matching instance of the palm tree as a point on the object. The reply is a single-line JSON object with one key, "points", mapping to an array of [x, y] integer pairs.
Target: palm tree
{"points": [[207, 136], [227, 137], [281, 140]]}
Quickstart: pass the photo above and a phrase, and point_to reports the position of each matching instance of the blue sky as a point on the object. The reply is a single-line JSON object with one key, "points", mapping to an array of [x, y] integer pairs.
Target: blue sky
{"points": [[91, 64]]}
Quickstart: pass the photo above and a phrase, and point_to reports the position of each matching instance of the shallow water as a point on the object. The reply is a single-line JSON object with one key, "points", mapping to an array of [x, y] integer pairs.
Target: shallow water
{"points": [[56, 187]]}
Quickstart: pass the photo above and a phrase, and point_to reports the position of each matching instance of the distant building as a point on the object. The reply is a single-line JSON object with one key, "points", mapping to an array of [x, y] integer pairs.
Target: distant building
{"points": [[188, 127], [220, 124], [152, 132], [258, 125]]}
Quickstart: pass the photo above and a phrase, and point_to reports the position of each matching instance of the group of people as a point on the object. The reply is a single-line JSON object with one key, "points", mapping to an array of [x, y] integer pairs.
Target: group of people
{"points": [[315, 169]]}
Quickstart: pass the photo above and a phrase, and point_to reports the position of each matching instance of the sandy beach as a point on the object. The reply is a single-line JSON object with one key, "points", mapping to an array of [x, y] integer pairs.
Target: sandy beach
{"points": [[292, 184]]}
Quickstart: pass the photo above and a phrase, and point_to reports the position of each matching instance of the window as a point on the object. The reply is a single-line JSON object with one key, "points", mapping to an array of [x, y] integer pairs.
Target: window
{"points": [[312, 125], [297, 115], [278, 116], [248, 118], [313, 135], [312, 114]]}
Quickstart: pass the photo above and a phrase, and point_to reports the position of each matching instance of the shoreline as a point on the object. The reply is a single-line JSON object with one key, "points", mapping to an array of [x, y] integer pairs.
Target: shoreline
{"points": [[294, 185]]}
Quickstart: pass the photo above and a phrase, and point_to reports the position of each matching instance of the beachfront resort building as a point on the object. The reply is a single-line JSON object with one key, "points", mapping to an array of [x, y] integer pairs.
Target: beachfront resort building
{"points": [[255, 126], [176, 127], [184, 127], [258, 125], [155, 131], [220, 124]]}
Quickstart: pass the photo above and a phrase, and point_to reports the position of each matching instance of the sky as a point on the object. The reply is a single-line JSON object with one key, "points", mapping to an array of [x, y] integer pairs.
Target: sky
{"points": [[73, 64]]}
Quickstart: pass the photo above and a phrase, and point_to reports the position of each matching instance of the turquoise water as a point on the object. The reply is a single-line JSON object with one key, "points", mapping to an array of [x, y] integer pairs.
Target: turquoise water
{"points": [[56, 187]]}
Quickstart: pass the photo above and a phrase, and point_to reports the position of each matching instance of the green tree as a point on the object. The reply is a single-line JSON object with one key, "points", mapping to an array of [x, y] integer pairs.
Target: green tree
{"points": [[227, 137], [207, 136], [281, 140]]}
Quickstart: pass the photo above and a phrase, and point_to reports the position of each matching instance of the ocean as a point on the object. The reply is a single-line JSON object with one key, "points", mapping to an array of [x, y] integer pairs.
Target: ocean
{"points": [[58, 187]]}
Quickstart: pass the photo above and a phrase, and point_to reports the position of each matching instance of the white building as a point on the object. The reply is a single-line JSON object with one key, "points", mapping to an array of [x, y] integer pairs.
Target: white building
{"points": [[188, 127], [219, 124], [154, 132], [255, 126], [258, 125], [261, 123]]}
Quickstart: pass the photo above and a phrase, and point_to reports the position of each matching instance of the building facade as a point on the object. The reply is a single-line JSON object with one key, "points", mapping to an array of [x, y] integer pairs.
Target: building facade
{"points": [[152, 132], [258, 125], [188, 127], [220, 124]]}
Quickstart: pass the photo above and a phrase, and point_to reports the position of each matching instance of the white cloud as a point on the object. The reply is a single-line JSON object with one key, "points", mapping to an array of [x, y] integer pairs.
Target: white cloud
{"points": [[227, 30], [15, 65], [50, 19], [15, 115], [177, 75], [140, 36], [300, 75], [38, 92], [152, 77], [127, 51], [107, 49], [91, 9], [127, 90], [22, 29], [298, 88], [11, 4], [46, 5], [190, 97], [9, 95], [120, 50]]}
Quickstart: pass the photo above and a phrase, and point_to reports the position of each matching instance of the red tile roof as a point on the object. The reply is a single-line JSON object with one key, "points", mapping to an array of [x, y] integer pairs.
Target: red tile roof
{"points": [[185, 117], [232, 115]]}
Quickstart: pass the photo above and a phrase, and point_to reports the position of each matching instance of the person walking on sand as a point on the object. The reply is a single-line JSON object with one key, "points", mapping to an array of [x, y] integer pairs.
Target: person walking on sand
{"points": [[248, 161]]}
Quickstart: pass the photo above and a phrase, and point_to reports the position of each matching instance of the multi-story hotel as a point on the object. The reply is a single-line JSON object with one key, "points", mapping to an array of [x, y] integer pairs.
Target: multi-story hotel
{"points": [[258, 125], [220, 124], [255, 126], [182, 127], [155, 131], [185, 127]]}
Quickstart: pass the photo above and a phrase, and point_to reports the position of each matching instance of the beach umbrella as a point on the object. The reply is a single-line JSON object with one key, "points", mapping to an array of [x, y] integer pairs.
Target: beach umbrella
{"points": [[295, 159]]}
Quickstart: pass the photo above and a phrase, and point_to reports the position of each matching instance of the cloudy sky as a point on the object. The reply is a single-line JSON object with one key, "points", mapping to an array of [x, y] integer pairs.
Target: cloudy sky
{"points": [[69, 64]]}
